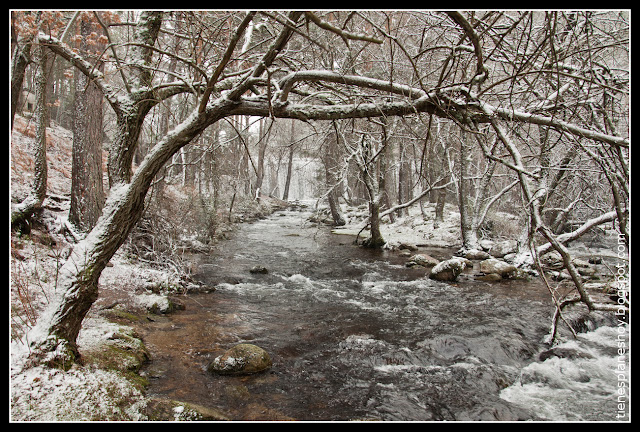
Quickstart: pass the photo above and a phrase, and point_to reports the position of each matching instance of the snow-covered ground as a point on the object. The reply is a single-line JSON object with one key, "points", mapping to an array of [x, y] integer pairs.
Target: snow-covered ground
{"points": [[411, 229], [88, 392]]}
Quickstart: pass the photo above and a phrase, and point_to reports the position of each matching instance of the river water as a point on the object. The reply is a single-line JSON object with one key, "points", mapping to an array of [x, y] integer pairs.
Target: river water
{"points": [[355, 335]]}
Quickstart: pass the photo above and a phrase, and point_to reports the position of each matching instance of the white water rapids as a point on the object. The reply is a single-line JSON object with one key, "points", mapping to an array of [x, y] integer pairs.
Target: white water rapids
{"points": [[354, 335]]}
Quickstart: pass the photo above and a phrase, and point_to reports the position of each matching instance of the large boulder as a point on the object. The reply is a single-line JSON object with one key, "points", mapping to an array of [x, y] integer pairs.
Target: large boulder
{"points": [[499, 267], [474, 254], [448, 270], [503, 248], [552, 260], [241, 359]]}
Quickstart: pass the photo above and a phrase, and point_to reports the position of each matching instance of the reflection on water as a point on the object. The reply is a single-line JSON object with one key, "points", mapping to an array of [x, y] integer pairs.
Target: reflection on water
{"points": [[353, 334]]}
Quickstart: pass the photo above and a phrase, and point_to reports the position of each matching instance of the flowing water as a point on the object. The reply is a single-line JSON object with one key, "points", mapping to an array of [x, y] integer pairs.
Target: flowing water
{"points": [[355, 335]]}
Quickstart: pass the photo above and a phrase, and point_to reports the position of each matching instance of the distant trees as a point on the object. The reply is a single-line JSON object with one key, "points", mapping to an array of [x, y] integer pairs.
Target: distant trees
{"points": [[537, 99]]}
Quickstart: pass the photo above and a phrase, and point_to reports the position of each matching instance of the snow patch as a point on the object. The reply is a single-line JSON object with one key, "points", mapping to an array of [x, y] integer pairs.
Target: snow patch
{"points": [[81, 394]]}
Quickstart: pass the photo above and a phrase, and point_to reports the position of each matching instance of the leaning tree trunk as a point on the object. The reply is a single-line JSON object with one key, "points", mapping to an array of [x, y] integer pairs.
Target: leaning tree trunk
{"points": [[55, 335]]}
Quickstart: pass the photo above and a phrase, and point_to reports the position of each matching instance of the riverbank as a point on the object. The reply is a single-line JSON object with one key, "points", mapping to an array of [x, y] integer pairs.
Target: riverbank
{"points": [[132, 288], [108, 386], [418, 232]]}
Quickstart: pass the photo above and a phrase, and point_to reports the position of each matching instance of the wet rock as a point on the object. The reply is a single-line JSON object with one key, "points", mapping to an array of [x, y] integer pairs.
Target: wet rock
{"points": [[259, 270], [448, 270], [587, 271], [563, 352], [495, 266], [423, 260], [158, 409], [475, 254], [491, 277], [580, 263], [552, 260], [501, 249], [240, 360]]}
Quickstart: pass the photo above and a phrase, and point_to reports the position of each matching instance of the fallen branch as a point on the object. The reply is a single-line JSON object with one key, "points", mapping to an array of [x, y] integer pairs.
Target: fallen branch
{"points": [[564, 238], [412, 201]]}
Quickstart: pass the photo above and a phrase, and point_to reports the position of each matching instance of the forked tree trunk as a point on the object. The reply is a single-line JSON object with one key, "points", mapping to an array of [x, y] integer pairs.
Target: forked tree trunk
{"points": [[375, 240], [374, 183]]}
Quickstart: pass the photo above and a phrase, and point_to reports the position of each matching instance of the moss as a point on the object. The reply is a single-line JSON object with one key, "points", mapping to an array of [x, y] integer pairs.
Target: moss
{"points": [[119, 315], [123, 352], [64, 358], [138, 381]]}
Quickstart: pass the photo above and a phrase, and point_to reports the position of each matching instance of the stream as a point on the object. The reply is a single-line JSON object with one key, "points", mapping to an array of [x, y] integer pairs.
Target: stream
{"points": [[356, 335]]}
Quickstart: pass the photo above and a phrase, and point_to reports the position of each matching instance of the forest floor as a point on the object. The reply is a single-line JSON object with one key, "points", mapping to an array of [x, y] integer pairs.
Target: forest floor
{"points": [[106, 387]]}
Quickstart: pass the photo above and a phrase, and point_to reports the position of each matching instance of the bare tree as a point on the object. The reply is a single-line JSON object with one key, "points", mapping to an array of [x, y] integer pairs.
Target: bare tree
{"points": [[333, 177], [38, 192], [273, 77]]}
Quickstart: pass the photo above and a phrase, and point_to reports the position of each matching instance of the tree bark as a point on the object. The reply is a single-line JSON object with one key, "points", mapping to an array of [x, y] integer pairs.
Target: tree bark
{"points": [[374, 183], [87, 194], [18, 66], [465, 186], [404, 178], [333, 183], [38, 192]]}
